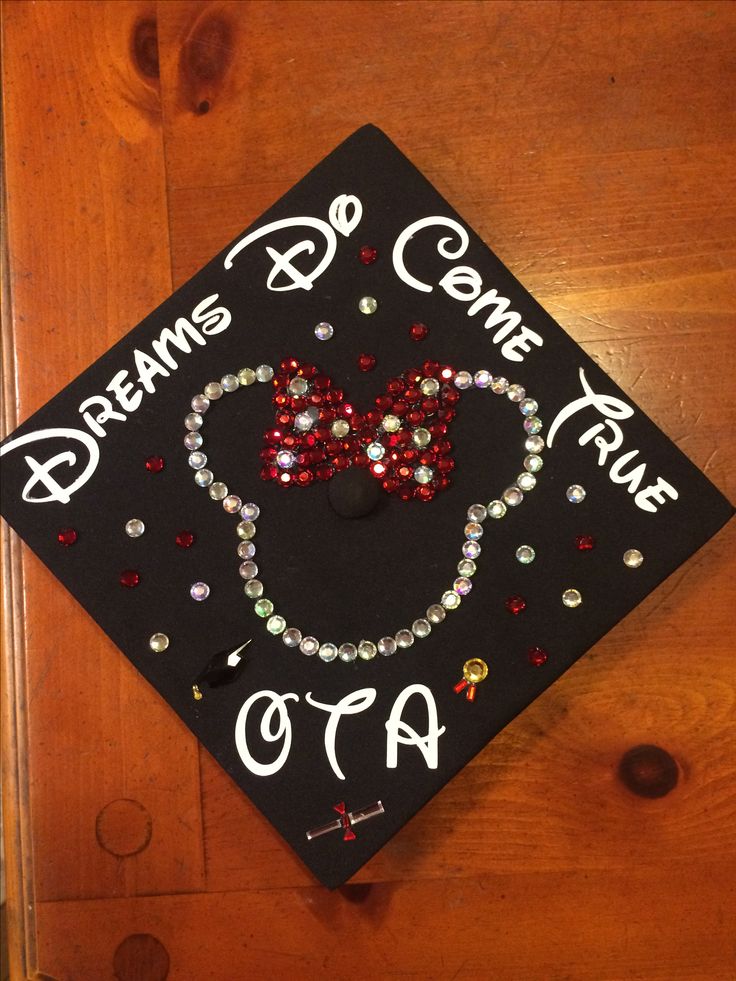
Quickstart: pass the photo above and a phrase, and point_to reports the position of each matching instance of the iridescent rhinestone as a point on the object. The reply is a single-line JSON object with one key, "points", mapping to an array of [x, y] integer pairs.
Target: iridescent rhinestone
{"points": [[292, 637], [471, 550], [200, 404], [533, 424], [436, 613], [482, 378], [375, 451], [496, 509], [246, 529], [213, 391], [534, 444], [473, 531], [309, 645], [230, 383], [298, 386], [429, 386], [276, 625], [463, 380], [450, 600], [421, 628], [303, 422], [193, 422], [248, 570], [347, 652], [158, 643], [526, 481], [367, 650], [263, 607], [575, 493], [203, 478], [512, 496], [253, 589], [264, 373], [134, 528], [250, 511], [199, 591], [571, 598], [528, 407], [462, 586], [232, 503], [477, 512], [246, 376], [341, 428], [328, 652], [516, 393], [404, 638], [533, 463], [197, 460], [387, 646], [499, 385], [633, 558], [423, 475], [285, 459], [246, 550], [218, 491], [391, 424], [368, 304], [421, 437], [466, 567], [193, 441], [525, 554]]}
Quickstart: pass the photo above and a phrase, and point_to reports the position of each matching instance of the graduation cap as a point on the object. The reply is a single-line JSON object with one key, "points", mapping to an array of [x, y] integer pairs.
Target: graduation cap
{"points": [[350, 500]]}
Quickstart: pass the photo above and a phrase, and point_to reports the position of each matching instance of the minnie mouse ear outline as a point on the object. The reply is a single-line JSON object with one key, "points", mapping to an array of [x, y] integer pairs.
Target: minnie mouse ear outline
{"points": [[389, 423]]}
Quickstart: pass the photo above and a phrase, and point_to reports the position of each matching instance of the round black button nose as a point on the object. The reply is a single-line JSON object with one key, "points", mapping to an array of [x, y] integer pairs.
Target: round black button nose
{"points": [[353, 493]]}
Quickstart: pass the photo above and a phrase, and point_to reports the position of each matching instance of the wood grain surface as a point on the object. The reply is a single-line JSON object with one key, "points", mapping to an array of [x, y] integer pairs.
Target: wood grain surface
{"points": [[592, 146]]}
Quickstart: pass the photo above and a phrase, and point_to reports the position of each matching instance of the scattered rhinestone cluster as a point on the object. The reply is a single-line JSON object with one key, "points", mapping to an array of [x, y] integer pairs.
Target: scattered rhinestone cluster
{"points": [[248, 513]]}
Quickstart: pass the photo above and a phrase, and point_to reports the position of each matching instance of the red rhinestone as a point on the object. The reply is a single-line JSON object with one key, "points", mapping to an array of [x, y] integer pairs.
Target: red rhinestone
{"points": [[430, 369], [281, 400], [378, 469], [269, 473], [425, 492], [389, 485], [289, 364], [384, 403], [430, 405], [307, 371], [367, 255], [155, 464], [324, 472], [447, 374], [400, 407], [516, 605], [395, 386], [185, 539], [584, 543], [406, 491], [418, 332], [413, 395], [367, 362], [305, 477], [129, 578], [66, 536], [537, 656]]}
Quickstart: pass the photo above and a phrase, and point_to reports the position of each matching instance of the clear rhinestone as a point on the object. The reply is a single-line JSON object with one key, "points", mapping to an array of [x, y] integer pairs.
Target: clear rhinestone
{"points": [[246, 376], [292, 637], [367, 650], [232, 503], [404, 638], [572, 598], [248, 570], [134, 528], [525, 554], [463, 380], [476, 512], [193, 441], [264, 373], [193, 422], [466, 567], [309, 645], [276, 625], [203, 478], [575, 493], [387, 646], [534, 444], [250, 511], [246, 550], [213, 391], [340, 428], [516, 393], [197, 460], [533, 463], [423, 475], [473, 531], [263, 607], [303, 422], [230, 383], [471, 550], [450, 600], [391, 424], [633, 558], [533, 425], [253, 589], [328, 652], [375, 451], [347, 652], [528, 407], [218, 491], [512, 496], [421, 437], [323, 331], [285, 459], [421, 628], [499, 385], [436, 613], [526, 481], [246, 529], [298, 386], [368, 304], [496, 509], [429, 386], [200, 404], [199, 591], [462, 586], [158, 643], [482, 378]]}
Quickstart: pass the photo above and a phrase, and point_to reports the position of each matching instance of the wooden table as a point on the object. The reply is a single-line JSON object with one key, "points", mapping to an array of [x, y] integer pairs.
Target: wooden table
{"points": [[592, 145]]}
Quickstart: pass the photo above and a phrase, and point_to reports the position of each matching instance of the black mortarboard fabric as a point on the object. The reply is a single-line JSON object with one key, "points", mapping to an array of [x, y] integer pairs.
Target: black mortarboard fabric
{"points": [[435, 481]]}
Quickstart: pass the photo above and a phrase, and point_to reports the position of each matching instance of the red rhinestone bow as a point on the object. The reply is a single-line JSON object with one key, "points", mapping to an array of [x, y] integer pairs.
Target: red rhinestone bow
{"points": [[402, 441]]}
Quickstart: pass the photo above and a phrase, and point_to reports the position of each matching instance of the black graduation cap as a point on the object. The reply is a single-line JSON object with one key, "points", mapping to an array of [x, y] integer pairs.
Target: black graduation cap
{"points": [[350, 500]]}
